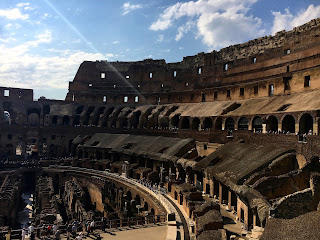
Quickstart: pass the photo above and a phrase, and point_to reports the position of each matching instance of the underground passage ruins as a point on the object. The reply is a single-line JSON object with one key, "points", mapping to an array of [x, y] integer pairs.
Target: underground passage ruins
{"points": [[222, 145]]}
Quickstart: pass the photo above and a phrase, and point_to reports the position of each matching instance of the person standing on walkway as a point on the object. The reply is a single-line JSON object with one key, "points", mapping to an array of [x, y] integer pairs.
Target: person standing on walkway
{"points": [[8, 235], [54, 228], [23, 234], [103, 222], [31, 232], [92, 225]]}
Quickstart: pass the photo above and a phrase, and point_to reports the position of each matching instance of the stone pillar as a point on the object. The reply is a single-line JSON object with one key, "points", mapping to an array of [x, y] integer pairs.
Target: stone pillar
{"points": [[250, 126], [296, 128], [229, 200], [264, 128], [279, 127], [220, 193], [223, 125], [204, 187], [211, 188], [315, 128], [254, 220], [195, 179]]}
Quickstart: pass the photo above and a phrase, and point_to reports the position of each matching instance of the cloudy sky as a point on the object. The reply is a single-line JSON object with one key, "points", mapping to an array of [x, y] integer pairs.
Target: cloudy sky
{"points": [[42, 42]]}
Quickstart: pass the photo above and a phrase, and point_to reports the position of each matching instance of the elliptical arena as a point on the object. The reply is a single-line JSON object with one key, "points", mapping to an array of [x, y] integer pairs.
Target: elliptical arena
{"points": [[223, 145]]}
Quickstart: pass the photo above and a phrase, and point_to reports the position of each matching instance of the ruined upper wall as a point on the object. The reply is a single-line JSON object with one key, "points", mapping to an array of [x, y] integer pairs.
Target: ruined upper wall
{"points": [[16, 93], [260, 60]]}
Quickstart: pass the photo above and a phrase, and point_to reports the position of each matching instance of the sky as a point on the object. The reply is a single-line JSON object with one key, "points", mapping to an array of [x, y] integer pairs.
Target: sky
{"points": [[43, 42]]}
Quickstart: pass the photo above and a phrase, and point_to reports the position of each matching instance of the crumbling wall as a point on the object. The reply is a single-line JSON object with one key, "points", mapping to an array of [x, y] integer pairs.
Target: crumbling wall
{"points": [[293, 205]]}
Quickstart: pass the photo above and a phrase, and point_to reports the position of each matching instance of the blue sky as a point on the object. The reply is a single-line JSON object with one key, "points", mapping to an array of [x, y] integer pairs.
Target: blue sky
{"points": [[43, 42]]}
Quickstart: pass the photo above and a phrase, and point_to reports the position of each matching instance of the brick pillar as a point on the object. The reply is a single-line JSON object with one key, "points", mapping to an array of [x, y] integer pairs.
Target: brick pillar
{"points": [[264, 128], [315, 128], [211, 188], [296, 128], [220, 193], [229, 200]]}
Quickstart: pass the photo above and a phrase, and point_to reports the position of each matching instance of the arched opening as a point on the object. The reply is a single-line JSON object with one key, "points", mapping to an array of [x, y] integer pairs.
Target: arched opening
{"points": [[257, 124], [135, 119], [9, 149], [79, 110], [306, 124], [65, 120], [54, 120], [145, 206], [272, 124], [33, 116], [7, 117], [138, 200], [46, 110], [76, 120], [207, 123], [185, 123], [124, 122], [99, 115], [107, 113], [33, 119], [229, 123], [288, 124], [218, 124], [195, 123], [87, 115], [175, 120], [243, 124]]}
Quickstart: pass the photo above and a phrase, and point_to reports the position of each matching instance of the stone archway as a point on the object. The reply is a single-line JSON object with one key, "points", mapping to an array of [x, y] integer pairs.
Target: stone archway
{"points": [[288, 124], [272, 124], [306, 123]]}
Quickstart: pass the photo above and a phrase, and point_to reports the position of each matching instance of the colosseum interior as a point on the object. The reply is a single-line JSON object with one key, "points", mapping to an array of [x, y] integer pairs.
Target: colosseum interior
{"points": [[222, 145]]}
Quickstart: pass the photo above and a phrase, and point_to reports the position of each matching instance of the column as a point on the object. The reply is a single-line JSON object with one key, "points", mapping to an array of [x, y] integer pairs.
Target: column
{"points": [[279, 127], [315, 128], [264, 128], [296, 128], [220, 193], [229, 200]]}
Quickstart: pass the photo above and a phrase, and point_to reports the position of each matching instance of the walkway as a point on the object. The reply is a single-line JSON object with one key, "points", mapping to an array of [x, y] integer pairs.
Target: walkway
{"points": [[182, 219]]}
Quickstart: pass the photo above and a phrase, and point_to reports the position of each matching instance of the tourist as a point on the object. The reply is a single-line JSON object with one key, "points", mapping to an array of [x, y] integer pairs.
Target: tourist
{"points": [[68, 232], [31, 232], [23, 234], [8, 235], [54, 228], [103, 221], [79, 237], [74, 229], [92, 225], [57, 235]]}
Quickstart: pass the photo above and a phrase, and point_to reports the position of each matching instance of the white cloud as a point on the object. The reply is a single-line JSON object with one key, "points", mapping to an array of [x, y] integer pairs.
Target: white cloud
{"points": [[160, 38], [28, 70], [287, 21], [22, 5], [13, 14], [184, 29], [77, 41], [219, 22], [128, 7], [115, 42], [7, 40], [10, 26]]}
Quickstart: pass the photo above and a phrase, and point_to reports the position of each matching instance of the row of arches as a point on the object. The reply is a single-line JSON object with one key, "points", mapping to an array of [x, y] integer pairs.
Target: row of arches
{"points": [[287, 123], [130, 117]]}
